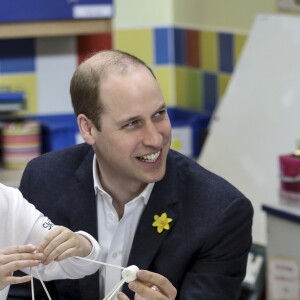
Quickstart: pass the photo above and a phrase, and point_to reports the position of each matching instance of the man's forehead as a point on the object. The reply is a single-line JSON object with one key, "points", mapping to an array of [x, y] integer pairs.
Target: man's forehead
{"points": [[131, 112]]}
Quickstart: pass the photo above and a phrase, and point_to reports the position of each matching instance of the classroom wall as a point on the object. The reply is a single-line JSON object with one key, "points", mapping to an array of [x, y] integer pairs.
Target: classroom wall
{"points": [[216, 15], [132, 14], [42, 68], [192, 46]]}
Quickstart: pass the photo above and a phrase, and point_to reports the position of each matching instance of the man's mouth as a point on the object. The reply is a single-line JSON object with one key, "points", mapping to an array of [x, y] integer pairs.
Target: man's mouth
{"points": [[150, 158]]}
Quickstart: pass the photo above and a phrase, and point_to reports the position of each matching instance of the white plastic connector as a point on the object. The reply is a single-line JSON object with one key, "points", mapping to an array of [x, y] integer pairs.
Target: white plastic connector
{"points": [[129, 273]]}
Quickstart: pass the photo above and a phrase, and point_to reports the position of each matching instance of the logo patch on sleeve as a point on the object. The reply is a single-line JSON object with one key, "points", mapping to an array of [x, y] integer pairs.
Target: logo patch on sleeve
{"points": [[48, 224]]}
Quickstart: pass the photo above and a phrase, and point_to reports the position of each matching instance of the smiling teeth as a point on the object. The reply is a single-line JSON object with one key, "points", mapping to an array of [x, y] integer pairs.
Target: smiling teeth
{"points": [[150, 157]]}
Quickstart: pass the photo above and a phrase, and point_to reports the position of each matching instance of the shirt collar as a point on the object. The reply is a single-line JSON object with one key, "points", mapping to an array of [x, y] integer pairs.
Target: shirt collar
{"points": [[145, 194]]}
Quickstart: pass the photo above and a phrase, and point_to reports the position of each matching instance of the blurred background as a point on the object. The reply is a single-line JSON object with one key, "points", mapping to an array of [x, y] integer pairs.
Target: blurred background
{"points": [[194, 48]]}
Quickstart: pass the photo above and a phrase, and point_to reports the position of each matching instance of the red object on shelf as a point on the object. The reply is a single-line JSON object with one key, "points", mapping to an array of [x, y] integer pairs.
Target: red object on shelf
{"points": [[290, 173]]}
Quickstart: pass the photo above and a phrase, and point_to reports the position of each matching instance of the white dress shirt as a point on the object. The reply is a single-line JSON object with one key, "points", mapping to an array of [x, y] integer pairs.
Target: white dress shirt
{"points": [[116, 236]]}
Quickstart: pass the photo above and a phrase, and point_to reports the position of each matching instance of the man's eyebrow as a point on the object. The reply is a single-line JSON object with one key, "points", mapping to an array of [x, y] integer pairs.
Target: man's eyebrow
{"points": [[136, 117], [163, 106], [128, 120]]}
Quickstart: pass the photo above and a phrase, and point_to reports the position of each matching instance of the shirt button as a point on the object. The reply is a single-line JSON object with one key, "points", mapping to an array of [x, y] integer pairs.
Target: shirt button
{"points": [[110, 215], [114, 255]]}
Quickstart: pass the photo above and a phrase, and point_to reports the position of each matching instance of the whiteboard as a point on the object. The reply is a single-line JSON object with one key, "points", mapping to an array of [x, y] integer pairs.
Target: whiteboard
{"points": [[258, 118]]}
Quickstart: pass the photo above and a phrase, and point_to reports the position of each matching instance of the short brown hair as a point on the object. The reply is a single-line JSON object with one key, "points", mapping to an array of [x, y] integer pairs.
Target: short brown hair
{"points": [[86, 80]]}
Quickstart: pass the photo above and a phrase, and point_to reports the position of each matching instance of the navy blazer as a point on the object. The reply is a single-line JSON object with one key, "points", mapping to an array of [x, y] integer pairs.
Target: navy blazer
{"points": [[204, 254]]}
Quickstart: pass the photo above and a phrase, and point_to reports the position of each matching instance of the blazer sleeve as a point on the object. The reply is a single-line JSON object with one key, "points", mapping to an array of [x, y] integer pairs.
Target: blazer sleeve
{"points": [[220, 265]]}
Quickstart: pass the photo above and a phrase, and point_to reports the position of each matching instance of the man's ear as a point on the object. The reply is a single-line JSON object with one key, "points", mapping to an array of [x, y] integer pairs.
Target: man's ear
{"points": [[85, 126]]}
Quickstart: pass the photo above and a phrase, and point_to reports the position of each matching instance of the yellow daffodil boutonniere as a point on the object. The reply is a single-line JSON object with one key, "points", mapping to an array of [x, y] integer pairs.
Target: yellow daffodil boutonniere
{"points": [[161, 222]]}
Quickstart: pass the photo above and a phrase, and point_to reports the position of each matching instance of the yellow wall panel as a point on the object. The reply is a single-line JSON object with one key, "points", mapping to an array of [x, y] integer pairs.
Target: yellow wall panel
{"points": [[138, 42], [223, 83], [25, 83], [194, 83], [165, 77], [209, 51], [181, 87]]}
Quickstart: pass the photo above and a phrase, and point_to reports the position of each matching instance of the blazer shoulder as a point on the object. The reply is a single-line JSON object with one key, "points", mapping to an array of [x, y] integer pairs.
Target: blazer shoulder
{"points": [[66, 157], [191, 176]]}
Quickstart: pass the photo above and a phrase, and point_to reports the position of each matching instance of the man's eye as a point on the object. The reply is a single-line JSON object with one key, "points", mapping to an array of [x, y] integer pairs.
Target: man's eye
{"points": [[161, 113], [131, 124]]}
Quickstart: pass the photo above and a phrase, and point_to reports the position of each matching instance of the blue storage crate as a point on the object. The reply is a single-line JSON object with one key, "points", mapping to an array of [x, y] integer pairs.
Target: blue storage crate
{"points": [[189, 129], [58, 131], [10, 101]]}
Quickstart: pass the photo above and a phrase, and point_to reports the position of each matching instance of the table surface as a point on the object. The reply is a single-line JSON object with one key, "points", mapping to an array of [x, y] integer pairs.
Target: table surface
{"points": [[284, 209]]}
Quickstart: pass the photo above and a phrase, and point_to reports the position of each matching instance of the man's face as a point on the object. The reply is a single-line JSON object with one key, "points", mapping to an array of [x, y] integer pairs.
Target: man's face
{"points": [[135, 134]]}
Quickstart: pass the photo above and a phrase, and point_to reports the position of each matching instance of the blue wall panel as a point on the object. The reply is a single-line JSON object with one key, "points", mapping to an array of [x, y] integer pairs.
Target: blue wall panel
{"points": [[164, 46], [17, 55]]}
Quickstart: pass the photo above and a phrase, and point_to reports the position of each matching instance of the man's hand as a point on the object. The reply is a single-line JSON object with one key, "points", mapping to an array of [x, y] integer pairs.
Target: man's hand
{"points": [[15, 258], [150, 286], [62, 243]]}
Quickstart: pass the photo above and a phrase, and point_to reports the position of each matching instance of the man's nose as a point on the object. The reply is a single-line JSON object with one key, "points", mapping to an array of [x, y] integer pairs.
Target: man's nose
{"points": [[152, 135]]}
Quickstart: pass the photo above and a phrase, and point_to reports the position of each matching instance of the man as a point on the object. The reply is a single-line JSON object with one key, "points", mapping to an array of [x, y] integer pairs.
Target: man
{"points": [[41, 244], [147, 205]]}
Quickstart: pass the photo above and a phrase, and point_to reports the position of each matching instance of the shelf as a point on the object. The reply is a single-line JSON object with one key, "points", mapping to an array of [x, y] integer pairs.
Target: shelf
{"points": [[9, 107], [54, 28]]}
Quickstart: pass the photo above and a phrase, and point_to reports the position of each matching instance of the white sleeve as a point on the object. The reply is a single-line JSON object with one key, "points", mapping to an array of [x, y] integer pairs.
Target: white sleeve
{"points": [[21, 223], [4, 293], [72, 268], [18, 218]]}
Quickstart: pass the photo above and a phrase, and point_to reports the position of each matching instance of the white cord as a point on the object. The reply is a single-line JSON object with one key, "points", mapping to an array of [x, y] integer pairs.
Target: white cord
{"points": [[114, 290], [42, 282], [128, 275], [110, 295], [99, 262], [32, 285]]}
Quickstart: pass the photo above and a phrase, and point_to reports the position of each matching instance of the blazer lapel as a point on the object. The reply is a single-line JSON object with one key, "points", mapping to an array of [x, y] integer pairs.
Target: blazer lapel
{"points": [[163, 199], [87, 218], [147, 240]]}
